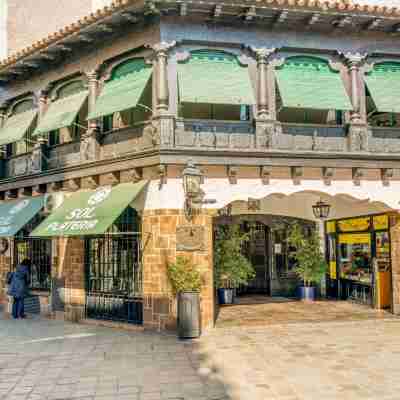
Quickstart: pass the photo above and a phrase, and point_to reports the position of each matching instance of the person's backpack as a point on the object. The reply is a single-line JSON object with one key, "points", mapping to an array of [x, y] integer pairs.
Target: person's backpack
{"points": [[9, 277]]}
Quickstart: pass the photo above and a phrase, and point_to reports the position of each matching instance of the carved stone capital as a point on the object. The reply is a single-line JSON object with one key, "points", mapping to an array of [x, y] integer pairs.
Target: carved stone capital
{"points": [[262, 53], [92, 75], [354, 60], [161, 49], [296, 173], [387, 175], [233, 174]]}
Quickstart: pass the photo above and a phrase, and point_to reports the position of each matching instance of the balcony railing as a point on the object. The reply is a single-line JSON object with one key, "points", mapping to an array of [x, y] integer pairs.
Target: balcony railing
{"points": [[312, 137], [214, 134]]}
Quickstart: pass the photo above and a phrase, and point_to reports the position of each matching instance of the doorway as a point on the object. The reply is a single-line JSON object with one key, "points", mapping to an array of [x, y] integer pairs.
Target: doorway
{"points": [[256, 250]]}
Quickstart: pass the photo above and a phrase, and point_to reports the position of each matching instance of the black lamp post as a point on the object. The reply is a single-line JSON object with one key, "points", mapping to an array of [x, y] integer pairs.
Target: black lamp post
{"points": [[321, 209]]}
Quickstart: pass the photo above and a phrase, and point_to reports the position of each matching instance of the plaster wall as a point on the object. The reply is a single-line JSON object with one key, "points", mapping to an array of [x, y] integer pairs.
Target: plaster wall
{"points": [[3, 29]]}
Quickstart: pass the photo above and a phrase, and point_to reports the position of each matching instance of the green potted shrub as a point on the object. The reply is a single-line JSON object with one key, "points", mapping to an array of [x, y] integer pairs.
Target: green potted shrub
{"points": [[311, 266], [231, 267], [186, 283]]}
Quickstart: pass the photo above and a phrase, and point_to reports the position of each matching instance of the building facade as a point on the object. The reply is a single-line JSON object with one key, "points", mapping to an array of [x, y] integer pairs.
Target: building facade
{"points": [[279, 103]]}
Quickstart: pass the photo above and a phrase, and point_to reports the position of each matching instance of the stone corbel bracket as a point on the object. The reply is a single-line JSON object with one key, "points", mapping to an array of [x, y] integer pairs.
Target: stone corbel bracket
{"points": [[72, 184], [10, 195], [387, 175], [24, 192], [135, 175], [297, 174], [92, 182], [162, 174], [112, 178], [327, 175], [233, 174], [54, 187], [358, 174], [265, 174]]}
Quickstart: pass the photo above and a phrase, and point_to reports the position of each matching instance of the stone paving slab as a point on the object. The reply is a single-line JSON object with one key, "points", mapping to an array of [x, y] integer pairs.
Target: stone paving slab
{"points": [[325, 360]]}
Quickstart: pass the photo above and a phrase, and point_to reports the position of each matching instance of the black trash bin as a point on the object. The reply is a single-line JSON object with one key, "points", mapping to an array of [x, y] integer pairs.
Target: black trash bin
{"points": [[189, 315]]}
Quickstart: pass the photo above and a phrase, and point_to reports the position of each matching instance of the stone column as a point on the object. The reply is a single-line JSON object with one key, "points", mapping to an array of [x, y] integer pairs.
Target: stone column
{"points": [[320, 225], [164, 121], [265, 125], [3, 149], [395, 261], [93, 84], [358, 133], [90, 146], [42, 97]]}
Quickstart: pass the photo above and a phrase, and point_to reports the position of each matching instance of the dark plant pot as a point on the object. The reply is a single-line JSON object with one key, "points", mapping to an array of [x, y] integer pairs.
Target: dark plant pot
{"points": [[189, 315], [226, 296], [307, 293]]}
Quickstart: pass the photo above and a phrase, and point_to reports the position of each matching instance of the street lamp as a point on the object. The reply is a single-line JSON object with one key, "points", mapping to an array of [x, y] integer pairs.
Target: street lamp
{"points": [[321, 209], [192, 177]]}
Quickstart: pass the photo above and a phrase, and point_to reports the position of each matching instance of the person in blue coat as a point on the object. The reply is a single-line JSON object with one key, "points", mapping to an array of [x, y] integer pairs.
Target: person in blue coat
{"points": [[18, 289]]}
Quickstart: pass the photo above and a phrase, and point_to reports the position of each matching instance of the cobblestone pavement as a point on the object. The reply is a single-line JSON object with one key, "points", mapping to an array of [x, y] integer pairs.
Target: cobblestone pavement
{"points": [[346, 360]]}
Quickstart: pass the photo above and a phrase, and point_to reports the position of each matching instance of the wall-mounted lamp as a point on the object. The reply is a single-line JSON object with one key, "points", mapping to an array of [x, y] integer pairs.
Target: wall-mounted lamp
{"points": [[321, 209], [192, 178]]}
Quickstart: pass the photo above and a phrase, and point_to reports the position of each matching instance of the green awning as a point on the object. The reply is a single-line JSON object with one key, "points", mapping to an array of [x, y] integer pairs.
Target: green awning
{"points": [[214, 77], [122, 93], [61, 113], [16, 127], [310, 83], [384, 86], [14, 215], [89, 212]]}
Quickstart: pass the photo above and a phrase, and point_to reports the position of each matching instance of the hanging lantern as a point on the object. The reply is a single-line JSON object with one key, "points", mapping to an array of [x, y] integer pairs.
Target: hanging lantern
{"points": [[191, 180], [321, 210]]}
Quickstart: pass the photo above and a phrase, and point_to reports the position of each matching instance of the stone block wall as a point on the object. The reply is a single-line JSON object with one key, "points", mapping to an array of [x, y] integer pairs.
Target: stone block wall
{"points": [[159, 248], [71, 266]]}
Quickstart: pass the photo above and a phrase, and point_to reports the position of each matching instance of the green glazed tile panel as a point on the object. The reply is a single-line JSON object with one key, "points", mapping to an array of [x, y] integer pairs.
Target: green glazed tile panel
{"points": [[214, 77], [310, 83], [123, 91], [61, 113], [16, 127], [384, 86], [14, 215], [89, 212]]}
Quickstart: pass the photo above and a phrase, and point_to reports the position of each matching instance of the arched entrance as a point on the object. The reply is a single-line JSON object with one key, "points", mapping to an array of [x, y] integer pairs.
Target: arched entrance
{"points": [[268, 251]]}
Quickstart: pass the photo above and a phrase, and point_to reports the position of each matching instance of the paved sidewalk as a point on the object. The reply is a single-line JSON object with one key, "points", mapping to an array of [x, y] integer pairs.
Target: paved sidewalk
{"points": [[348, 360]]}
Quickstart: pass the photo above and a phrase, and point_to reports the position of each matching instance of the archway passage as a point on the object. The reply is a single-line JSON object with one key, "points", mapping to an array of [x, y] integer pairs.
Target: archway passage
{"points": [[357, 243], [267, 249]]}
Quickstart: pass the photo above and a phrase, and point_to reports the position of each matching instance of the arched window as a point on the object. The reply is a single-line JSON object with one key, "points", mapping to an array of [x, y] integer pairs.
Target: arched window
{"points": [[382, 94], [309, 91], [126, 98], [214, 85], [17, 130], [65, 118]]}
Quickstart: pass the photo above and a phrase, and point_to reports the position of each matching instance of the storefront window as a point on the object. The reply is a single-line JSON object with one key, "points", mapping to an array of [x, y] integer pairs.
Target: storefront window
{"points": [[355, 257]]}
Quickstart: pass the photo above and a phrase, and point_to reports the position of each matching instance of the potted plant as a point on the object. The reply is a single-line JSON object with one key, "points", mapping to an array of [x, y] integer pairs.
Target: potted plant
{"points": [[311, 266], [231, 268], [186, 283]]}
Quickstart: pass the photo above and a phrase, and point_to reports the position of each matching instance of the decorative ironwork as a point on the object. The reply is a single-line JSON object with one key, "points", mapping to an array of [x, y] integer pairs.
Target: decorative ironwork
{"points": [[114, 272]]}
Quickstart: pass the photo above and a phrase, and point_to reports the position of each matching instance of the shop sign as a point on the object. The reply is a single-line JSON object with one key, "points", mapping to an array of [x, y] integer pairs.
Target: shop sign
{"points": [[354, 224], [331, 227], [355, 238], [380, 222], [332, 270], [190, 238]]}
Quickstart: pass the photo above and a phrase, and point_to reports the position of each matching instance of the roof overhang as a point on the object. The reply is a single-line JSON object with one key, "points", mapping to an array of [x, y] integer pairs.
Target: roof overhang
{"points": [[316, 15]]}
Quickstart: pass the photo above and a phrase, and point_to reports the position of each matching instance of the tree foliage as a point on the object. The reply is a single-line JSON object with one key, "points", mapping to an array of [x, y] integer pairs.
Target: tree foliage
{"points": [[184, 276], [311, 266], [231, 267]]}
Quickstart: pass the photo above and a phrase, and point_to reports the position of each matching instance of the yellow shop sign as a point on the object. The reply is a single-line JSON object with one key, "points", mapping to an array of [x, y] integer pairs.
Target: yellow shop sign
{"points": [[354, 224], [380, 222], [355, 238]]}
